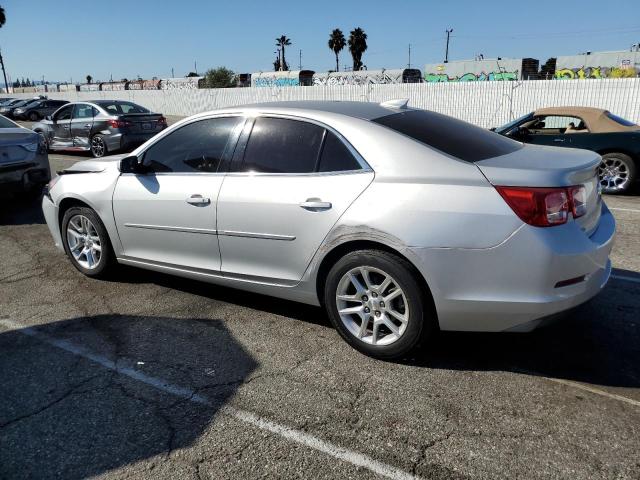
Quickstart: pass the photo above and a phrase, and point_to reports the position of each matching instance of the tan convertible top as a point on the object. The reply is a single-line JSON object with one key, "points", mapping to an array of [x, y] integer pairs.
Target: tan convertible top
{"points": [[596, 119]]}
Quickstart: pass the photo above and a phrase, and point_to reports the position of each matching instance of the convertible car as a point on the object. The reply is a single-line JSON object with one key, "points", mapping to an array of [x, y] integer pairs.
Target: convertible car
{"points": [[616, 139]]}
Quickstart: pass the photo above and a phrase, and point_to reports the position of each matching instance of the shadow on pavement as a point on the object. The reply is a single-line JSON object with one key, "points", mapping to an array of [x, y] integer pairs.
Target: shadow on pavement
{"points": [[64, 416], [597, 343]]}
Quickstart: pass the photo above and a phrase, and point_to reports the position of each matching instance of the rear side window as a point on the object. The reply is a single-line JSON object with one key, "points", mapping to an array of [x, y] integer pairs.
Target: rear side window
{"points": [[620, 120], [450, 135], [197, 147], [336, 157], [279, 145]]}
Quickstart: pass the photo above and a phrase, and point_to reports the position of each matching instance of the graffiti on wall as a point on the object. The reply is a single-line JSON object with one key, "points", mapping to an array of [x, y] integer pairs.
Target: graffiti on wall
{"points": [[471, 77], [367, 77], [581, 73], [276, 81]]}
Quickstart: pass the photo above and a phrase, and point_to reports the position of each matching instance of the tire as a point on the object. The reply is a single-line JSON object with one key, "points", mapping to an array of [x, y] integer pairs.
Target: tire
{"points": [[411, 303], [103, 263], [34, 117], [98, 146], [616, 173]]}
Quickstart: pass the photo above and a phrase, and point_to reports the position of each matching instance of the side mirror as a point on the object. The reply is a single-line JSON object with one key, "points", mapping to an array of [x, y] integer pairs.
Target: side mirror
{"points": [[48, 117], [492, 129], [130, 164]]}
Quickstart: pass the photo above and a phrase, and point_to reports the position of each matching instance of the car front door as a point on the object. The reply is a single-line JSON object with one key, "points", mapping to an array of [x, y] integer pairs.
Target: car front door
{"points": [[168, 215], [283, 196], [81, 124], [61, 128], [550, 130]]}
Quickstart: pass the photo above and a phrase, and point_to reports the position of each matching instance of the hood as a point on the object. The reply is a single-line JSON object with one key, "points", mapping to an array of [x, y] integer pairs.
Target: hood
{"points": [[96, 165]]}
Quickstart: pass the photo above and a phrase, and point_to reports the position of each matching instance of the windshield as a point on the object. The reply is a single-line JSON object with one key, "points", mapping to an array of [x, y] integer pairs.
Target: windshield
{"points": [[21, 103], [6, 123], [508, 126], [450, 135], [620, 120]]}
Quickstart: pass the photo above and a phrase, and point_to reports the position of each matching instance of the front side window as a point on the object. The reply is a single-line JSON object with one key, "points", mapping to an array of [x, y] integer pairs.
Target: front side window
{"points": [[556, 125], [279, 145], [197, 147], [64, 113]]}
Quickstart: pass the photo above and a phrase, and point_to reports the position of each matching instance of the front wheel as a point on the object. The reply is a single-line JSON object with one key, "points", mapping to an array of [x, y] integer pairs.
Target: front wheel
{"points": [[98, 146], [34, 117], [86, 242], [377, 305], [616, 173]]}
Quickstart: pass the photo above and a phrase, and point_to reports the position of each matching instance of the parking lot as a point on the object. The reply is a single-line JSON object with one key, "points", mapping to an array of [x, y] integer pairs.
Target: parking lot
{"points": [[151, 376]]}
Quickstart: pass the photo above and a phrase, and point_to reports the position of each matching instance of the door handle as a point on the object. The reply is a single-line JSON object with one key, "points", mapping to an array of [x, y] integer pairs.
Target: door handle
{"points": [[198, 200], [87, 125], [315, 205], [558, 139]]}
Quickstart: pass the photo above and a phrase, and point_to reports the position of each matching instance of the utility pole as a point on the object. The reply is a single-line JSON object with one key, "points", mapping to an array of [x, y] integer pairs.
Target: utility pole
{"points": [[172, 73], [409, 64], [6, 85], [195, 66], [300, 61], [446, 52]]}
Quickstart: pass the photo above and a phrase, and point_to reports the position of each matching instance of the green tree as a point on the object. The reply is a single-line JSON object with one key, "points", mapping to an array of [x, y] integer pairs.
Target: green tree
{"points": [[281, 42], [336, 43], [192, 74], [357, 46], [220, 77], [89, 78]]}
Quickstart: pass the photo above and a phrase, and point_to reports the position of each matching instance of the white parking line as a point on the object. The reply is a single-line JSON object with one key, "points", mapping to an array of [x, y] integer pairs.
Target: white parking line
{"points": [[625, 278], [298, 436], [624, 209], [597, 391]]}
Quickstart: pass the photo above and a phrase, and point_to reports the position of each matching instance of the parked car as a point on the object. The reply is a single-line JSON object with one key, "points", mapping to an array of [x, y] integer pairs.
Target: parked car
{"points": [[24, 163], [38, 109], [398, 221], [100, 126], [8, 109], [616, 139], [6, 100]]}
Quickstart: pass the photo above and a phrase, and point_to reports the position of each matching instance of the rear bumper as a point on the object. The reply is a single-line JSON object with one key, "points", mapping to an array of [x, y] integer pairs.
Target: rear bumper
{"points": [[514, 286], [26, 174]]}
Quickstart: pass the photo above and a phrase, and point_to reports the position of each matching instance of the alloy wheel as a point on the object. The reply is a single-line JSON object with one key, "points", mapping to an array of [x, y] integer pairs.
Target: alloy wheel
{"points": [[372, 306], [84, 242], [613, 174], [98, 147]]}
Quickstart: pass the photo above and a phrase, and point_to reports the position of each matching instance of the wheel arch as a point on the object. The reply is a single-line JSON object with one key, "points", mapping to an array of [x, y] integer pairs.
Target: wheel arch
{"points": [[624, 151], [342, 249]]}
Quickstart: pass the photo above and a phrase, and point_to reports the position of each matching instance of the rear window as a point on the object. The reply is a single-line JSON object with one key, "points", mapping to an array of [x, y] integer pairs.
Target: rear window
{"points": [[117, 108], [620, 120], [450, 135]]}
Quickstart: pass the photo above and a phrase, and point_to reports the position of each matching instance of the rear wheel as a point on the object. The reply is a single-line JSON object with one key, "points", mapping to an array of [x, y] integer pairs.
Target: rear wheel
{"points": [[86, 242], [616, 173], [375, 302], [34, 117], [98, 146]]}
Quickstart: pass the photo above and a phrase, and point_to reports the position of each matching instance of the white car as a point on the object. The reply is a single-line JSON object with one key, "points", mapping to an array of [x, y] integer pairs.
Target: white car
{"points": [[398, 221]]}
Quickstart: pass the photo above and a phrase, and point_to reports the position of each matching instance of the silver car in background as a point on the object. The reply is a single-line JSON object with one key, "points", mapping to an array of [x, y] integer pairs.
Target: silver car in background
{"points": [[397, 221]]}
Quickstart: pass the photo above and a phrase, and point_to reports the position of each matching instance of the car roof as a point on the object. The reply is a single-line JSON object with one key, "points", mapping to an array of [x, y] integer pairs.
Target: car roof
{"points": [[362, 110], [596, 119]]}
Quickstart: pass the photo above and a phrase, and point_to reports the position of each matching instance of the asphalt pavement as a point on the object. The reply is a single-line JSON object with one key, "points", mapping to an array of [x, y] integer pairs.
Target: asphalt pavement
{"points": [[151, 376]]}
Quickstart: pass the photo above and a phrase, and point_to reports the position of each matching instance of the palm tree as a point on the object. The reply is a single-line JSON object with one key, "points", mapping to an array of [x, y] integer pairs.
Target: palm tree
{"points": [[89, 78], [337, 43], [357, 46], [3, 20], [281, 42]]}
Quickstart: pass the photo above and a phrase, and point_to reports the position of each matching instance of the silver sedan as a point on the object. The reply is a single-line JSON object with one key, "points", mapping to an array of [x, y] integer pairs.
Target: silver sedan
{"points": [[398, 221]]}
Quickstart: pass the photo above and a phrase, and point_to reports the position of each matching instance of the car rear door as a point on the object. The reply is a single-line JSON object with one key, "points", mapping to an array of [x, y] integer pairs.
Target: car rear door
{"points": [[61, 128], [278, 204], [168, 215], [81, 124]]}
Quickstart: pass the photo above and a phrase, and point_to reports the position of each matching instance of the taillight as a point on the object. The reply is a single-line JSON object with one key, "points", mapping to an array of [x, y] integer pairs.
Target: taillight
{"points": [[162, 121], [578, 197], [118, 123], [545, 207]]}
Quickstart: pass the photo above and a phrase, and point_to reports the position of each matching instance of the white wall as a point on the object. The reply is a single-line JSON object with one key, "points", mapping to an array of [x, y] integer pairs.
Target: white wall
{"points": [[486, 104]]}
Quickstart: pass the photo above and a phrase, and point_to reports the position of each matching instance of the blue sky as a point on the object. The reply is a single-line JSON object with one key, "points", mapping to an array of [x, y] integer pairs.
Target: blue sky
{"points": [[63, 39]]}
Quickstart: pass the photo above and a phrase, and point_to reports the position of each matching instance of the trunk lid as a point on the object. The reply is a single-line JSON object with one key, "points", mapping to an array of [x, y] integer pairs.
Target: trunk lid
{"points": [[538, 166], [143, 122], [13, 143]]}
